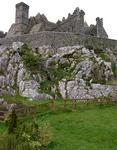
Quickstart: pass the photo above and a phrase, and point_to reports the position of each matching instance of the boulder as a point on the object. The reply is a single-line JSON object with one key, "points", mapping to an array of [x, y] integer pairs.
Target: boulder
{"points": [[17, 45]]}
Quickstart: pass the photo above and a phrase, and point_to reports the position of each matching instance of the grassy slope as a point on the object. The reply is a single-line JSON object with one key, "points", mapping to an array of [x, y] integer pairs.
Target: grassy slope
{"points": [[86, 129]]}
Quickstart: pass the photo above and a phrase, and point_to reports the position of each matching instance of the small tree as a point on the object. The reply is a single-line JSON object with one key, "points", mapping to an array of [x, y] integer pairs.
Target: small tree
{"points": [[12, 122]]}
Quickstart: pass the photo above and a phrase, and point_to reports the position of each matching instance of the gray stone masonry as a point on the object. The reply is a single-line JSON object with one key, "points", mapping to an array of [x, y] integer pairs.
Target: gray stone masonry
{"points": [[73, 23], [2, 34], [22, 13], [100, 29], [60, 39]]}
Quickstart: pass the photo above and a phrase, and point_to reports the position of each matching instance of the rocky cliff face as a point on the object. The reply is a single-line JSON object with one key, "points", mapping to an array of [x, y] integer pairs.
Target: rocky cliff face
{"points": [[73, 72]]}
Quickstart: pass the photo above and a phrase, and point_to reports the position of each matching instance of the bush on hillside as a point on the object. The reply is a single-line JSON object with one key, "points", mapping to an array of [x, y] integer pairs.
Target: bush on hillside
{"points": [[29, 136]]}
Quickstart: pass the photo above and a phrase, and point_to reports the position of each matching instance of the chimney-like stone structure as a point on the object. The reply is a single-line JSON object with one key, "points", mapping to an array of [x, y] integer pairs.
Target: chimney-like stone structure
{"points": [[21, 18]]}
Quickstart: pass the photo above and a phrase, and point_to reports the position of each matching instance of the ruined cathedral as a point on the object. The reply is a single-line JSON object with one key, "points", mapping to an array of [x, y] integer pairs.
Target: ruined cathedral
{"points": [[74, 23]]}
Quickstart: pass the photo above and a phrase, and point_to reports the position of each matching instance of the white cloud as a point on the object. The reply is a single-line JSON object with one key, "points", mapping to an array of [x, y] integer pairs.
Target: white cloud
{"points": [[56, 9]]}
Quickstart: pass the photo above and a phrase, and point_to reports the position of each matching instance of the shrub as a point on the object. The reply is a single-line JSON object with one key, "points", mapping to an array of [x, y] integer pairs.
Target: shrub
{"points": [[114, 69], [103, 55], [35, 136], [31, 60], [29, 136], [45, 86]]}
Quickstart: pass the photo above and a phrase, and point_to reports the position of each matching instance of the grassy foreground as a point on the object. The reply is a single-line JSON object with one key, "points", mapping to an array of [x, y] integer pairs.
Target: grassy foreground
{"points": [[88, 128]]}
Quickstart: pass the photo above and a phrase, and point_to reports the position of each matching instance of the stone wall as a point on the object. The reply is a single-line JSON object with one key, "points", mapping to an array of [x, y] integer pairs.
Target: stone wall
{"points": [[59, 39]]}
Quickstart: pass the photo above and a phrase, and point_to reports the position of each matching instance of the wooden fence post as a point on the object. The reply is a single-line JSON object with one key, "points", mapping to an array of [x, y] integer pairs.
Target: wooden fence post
{"points": [[65, 103], [74, 104], [53, 104]]}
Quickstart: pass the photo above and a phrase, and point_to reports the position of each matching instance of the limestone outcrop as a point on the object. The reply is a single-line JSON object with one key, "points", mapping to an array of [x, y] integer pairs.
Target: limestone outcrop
{"points": [[72, 72]]}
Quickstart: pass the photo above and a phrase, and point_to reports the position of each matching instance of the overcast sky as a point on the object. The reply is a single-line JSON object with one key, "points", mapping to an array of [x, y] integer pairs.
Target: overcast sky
{"points": [[56, 9]]}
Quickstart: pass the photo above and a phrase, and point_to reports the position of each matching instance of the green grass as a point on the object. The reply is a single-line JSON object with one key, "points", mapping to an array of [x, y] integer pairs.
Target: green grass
{"points": [[88, 128], [85, 130], [103, 55], [3, 131]]}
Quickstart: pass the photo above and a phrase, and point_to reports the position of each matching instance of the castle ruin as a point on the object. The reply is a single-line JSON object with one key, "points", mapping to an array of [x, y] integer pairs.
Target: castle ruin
{"points": [[38, 31], [73, 23]]}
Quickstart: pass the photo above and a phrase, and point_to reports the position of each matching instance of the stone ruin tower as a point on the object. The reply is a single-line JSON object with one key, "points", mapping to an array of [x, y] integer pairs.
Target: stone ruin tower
{"points": [[100, 29], [21, 20]]}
